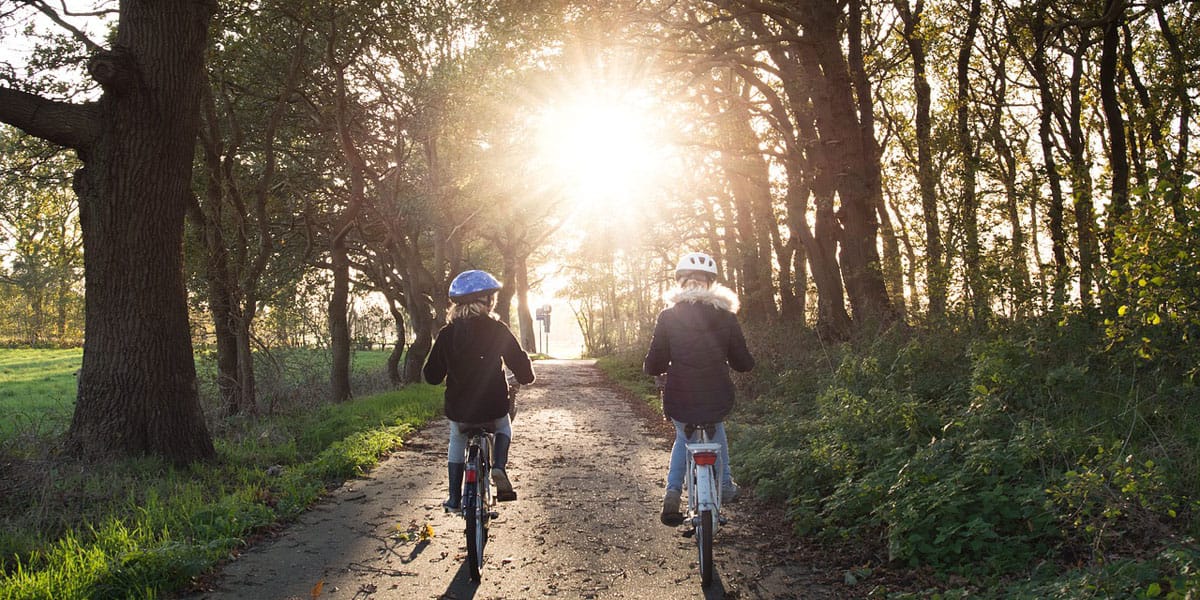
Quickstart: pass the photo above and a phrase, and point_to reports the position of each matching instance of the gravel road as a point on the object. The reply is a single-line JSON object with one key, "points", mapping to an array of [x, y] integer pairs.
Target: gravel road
{"points": [[589, 468]]}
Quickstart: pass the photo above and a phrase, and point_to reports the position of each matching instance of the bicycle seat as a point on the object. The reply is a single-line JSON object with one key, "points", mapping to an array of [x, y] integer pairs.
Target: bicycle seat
{"points": [[709, 428]]}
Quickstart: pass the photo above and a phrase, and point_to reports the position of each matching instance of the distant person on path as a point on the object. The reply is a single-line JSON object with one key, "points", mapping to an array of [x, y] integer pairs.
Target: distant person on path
{"points": [[697, 339], [470, 353]]}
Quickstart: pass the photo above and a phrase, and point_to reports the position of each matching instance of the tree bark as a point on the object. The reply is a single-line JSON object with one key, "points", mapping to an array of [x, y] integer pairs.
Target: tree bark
{"points": [[137, 387]]}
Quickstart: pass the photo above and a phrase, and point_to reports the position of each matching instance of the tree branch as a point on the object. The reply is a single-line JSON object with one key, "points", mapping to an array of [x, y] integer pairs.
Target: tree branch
{"points": [[63, 123], [54, 16]]}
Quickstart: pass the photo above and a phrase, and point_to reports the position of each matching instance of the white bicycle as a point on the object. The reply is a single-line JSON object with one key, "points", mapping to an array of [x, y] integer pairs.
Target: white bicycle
{"points": [[704, 494]]}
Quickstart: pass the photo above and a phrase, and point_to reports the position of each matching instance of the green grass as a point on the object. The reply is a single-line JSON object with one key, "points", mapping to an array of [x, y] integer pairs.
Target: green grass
{"points": [[37, 386], [141, 528], [37, 389]]}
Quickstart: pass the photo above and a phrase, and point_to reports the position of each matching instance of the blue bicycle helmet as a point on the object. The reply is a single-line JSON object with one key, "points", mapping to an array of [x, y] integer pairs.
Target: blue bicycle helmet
{"points": [[469, 283]]}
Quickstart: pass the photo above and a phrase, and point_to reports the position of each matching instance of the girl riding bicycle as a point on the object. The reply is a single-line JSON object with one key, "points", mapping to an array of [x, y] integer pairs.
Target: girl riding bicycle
{"points": [[470, 353], [697, 339]]}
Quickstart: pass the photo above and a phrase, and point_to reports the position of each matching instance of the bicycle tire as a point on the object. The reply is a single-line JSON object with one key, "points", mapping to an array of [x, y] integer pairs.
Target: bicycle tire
{"points": [[704, 540]]}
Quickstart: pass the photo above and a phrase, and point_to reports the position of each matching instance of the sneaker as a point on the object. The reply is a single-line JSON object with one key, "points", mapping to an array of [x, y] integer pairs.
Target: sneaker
{"points": [[451, 505], [729, 492], [671, 516], [504, 489]]}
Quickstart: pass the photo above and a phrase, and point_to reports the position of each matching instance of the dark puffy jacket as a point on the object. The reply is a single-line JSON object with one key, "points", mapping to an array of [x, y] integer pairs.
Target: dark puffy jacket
{"points": [[696, 341], [468, 354]]}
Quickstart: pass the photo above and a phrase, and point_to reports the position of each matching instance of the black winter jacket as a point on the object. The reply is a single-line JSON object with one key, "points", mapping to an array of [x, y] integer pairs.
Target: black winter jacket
{"points": [[696, 341], [467, 354]]}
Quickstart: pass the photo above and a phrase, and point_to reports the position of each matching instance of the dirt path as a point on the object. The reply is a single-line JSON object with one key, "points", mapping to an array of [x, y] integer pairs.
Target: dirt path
{"points": [[589, 470]]}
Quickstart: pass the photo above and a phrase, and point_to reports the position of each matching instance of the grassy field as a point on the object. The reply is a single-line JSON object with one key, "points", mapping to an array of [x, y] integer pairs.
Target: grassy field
{"points": [[37, 386], [37, 390], [144, 529]]}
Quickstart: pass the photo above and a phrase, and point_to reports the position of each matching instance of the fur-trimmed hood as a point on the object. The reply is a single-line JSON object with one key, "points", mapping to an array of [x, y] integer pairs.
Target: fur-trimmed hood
{"points": [[718, 296]]}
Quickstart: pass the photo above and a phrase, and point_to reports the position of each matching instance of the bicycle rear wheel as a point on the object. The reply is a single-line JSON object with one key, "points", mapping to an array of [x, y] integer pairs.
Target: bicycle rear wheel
{"points": [[704, 540], [477, 518]]}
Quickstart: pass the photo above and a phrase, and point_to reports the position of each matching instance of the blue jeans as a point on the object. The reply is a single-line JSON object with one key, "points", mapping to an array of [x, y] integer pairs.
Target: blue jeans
{"points": [[678, 466], [457, 450]]}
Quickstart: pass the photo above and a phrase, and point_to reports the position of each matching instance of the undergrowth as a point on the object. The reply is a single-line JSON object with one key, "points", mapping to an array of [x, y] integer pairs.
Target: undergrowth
{"points": [[140, 528], [1032, 462]]}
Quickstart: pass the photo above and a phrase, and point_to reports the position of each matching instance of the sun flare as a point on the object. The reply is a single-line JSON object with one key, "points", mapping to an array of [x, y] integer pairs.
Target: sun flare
{"points": [[601, 151]]}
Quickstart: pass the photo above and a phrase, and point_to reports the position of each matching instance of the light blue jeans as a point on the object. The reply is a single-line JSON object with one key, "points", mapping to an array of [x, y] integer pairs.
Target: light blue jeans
{"points": [[678, 468], [457, 452]]}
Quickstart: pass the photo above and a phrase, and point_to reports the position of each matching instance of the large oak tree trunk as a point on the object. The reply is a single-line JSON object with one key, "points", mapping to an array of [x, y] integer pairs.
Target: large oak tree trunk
{"points": [[137, 386]]}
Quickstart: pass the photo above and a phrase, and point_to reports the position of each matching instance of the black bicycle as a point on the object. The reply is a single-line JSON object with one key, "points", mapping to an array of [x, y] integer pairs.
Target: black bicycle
{"points": [[477, 498]]}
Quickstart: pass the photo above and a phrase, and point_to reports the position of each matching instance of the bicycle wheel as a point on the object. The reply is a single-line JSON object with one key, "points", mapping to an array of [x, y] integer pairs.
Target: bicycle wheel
{"points": [[704, 540], [477, 521]]}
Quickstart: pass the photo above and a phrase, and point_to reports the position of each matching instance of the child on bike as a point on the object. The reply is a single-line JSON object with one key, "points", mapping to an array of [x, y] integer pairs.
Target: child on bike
{"points": [[697, 339], [470, 353]]}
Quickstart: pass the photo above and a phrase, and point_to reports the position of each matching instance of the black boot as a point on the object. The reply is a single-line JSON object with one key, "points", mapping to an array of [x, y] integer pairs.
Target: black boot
{"points": [[504, 489], [454, 502]]}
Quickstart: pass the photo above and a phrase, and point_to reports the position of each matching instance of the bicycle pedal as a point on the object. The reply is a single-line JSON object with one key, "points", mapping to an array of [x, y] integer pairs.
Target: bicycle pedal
{"points": [[493, 515]]}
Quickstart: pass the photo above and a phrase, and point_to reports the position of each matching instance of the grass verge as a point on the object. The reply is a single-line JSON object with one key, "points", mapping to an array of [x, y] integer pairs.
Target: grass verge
{"points": [[626, 370], [141, 528]]}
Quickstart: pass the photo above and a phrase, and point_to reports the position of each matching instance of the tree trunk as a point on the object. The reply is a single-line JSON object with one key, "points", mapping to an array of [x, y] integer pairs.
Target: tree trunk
{"points": [[393, 360], [1118, 159], [748, 181], [1081, 182], [508, 287], [976, 283], [935, 271], [1039, 68], [420, 313], [524, 316], [858, 256], [137, 387], [339, 326]]}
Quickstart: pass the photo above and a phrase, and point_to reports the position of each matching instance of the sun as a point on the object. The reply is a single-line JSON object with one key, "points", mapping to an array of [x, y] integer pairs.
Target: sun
{"points": [[602, 149]]}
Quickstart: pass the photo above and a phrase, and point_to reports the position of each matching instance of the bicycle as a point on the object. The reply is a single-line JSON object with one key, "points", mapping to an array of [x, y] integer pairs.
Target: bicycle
{"points": [[704, 494], [478, 502]]}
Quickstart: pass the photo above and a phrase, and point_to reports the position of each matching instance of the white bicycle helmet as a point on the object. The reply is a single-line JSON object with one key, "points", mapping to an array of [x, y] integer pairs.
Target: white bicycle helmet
{"points": [[696, 261]]}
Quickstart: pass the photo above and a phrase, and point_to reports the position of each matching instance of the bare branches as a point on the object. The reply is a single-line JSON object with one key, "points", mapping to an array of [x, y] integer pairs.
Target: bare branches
{"points": [[47, 10]]}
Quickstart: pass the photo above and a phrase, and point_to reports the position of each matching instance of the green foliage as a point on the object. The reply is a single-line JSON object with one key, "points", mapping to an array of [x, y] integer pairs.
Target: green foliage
{"points": [[41, 276], [976, 455], [148, 528], [1156, 262]]}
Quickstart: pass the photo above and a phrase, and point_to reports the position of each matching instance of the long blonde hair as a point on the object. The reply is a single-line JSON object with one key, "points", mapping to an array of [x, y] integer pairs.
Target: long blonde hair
{"points": [[472, 307]]}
